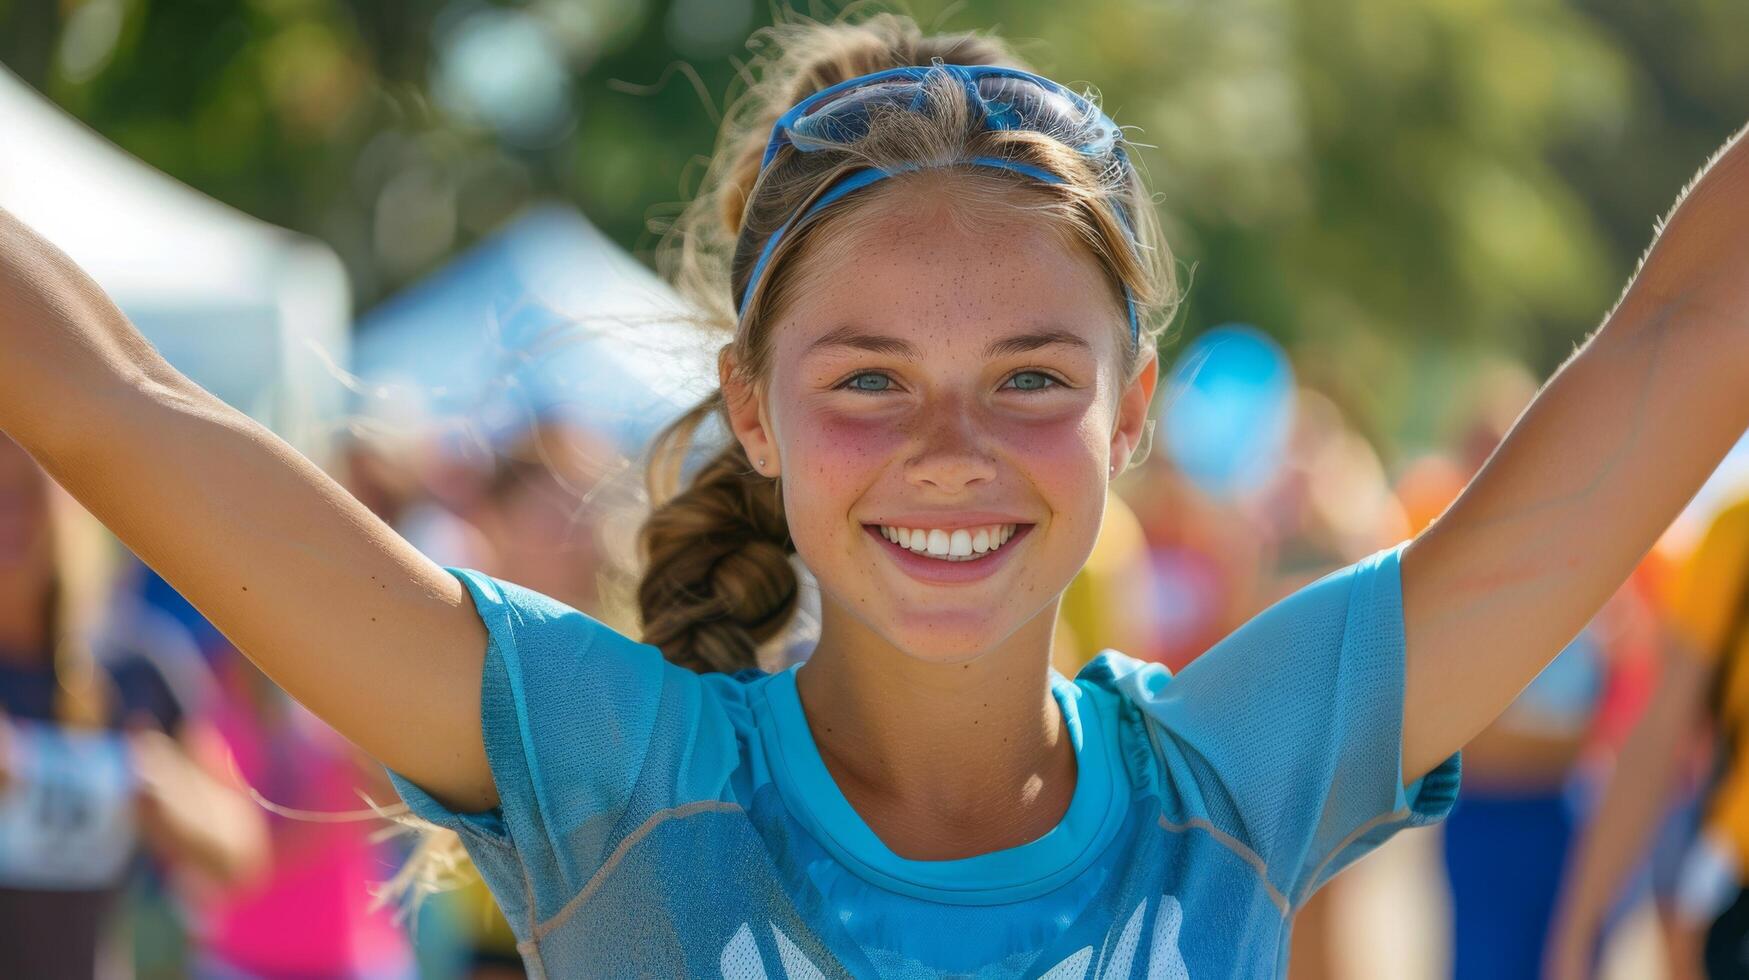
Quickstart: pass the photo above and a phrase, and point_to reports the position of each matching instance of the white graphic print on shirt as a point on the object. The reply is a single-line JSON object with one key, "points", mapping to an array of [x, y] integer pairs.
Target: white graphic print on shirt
{"points": [[741, 959]]}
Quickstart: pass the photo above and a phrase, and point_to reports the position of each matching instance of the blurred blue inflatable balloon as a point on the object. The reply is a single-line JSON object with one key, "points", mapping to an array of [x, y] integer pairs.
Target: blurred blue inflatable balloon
{"points": [[1229, 410]]}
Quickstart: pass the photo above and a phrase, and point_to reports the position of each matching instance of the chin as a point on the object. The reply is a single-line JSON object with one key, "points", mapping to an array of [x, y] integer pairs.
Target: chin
{"points": [[947, 638]]}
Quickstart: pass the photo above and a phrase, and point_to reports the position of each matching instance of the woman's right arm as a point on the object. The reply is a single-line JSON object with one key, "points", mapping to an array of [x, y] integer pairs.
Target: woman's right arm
{"points": [[332, 604]]}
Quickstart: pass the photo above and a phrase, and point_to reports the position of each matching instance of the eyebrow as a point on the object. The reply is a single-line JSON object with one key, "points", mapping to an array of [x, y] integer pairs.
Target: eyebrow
{"points": [[1022, 343], [854, 338]]}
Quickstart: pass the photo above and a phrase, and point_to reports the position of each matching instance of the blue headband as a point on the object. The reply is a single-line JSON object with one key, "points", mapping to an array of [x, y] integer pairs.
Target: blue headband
{"points": [[1004, 96]]}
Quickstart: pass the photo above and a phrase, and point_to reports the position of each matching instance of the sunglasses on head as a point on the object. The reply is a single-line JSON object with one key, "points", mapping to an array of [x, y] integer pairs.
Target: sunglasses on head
{"points": [[1000, 98]]}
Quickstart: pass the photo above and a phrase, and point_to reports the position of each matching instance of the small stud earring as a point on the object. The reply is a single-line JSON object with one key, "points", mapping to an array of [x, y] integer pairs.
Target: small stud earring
{"points": [[762, 462]]}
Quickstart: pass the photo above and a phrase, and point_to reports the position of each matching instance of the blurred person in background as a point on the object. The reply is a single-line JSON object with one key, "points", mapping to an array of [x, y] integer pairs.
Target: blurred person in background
{"points": [[1205, 554], [540, 512], [1687, 754], [1327, 504], [311, 913], [101, 749], [1505, 844]]}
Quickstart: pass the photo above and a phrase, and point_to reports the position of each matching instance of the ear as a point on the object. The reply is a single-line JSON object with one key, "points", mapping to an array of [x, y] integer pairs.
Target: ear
{"points": [[1132, 412], [748, 420]]}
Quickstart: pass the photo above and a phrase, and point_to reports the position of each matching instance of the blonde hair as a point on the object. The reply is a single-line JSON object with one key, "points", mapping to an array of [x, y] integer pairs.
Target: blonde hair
{"points": [[717, 580]]}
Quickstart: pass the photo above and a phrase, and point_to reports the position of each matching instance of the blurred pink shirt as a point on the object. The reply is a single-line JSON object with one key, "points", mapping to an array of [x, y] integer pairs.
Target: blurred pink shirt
{"points": [[310, 915]]}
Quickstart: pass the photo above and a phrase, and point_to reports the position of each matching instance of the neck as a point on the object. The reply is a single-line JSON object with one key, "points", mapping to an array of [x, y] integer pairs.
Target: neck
{"points": [[941, 760], [23, 628]]}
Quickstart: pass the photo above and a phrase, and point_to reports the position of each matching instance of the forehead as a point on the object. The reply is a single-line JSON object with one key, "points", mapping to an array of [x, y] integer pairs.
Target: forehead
{"points": [[949, 273]]}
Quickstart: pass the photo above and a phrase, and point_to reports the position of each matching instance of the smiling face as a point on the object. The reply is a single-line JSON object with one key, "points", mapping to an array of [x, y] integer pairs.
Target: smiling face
{"points": [[951, 378]]}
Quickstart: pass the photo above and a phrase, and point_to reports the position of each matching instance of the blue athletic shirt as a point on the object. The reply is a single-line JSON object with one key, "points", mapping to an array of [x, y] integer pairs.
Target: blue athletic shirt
{"points": [[660, 823]]}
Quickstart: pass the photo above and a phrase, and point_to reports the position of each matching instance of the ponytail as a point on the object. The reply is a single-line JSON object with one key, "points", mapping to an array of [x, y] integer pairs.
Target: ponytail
{"points": [[717, 579]]}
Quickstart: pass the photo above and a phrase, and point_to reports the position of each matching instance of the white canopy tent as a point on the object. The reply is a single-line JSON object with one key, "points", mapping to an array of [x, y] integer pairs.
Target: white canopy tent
{"points": [[256, 314], [545, 318]]}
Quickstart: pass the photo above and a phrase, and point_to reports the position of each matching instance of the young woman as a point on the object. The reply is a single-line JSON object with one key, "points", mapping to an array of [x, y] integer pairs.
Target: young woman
{"points": [[944, 281]]}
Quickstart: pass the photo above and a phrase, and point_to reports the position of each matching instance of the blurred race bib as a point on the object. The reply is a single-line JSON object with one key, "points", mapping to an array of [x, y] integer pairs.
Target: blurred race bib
{"points": [[66, 814]]}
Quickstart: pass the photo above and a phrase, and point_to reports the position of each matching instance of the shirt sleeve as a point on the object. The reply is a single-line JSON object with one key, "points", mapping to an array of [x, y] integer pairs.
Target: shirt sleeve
{"points": [[1287, 735], [1706, 597], [588, 733]]}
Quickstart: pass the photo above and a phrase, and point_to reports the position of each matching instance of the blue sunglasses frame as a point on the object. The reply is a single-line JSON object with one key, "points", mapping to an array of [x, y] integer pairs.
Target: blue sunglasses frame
{"points": [[814, 112], [841, 113]]}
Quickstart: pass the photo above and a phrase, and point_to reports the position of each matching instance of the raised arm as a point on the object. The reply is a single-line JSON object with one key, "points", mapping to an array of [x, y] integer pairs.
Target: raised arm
{"points": [[1592, 473], [334, 606]]}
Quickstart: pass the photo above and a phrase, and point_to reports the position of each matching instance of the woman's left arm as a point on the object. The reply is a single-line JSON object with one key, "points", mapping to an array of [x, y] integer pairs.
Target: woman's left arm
{"points": [[1600, 463]]}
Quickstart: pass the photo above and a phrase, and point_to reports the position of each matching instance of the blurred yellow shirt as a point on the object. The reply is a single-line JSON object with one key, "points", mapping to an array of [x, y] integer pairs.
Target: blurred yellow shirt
{"points": [[487, 931], [1707, 596], [1708, 610]]}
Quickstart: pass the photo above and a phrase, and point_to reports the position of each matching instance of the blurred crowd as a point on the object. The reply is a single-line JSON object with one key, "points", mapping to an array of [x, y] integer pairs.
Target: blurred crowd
{"points": [[166, 812]]}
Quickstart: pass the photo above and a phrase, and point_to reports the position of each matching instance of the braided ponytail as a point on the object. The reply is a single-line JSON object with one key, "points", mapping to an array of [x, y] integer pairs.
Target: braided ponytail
{"points": [[717, 578]]}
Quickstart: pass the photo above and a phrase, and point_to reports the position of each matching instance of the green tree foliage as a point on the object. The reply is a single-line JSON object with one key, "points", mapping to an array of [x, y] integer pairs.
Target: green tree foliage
{"points": [[1388, 187]]}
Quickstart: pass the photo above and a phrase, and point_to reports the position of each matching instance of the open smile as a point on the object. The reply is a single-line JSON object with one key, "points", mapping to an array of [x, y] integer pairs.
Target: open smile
{"points": [[944, 556], [957, 544]]}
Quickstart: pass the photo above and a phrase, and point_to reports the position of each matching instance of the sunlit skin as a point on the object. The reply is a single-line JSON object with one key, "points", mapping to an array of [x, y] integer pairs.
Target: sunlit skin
{"points": [[943, 733]]}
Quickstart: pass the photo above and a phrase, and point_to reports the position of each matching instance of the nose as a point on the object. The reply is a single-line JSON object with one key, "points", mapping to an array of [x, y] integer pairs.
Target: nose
{"points": [[952, 454]]}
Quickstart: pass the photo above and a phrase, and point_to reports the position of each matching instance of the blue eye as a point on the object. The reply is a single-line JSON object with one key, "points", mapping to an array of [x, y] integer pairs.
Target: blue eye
{"points": [[869, 381], [1032, 381]]}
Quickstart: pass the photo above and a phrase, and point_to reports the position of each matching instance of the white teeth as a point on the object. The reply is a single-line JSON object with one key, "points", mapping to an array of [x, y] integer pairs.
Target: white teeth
{"points": [[960, 544]]}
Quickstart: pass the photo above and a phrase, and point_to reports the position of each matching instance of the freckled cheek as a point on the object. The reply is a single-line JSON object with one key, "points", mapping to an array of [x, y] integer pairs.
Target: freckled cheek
{"points": [[1062, 447], [830, 462], [837, 447], [1063, 462]]}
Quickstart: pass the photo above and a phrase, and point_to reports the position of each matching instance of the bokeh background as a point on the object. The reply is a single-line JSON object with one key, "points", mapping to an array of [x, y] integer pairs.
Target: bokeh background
{"points": [[1393, 218], [1388, 187]]}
